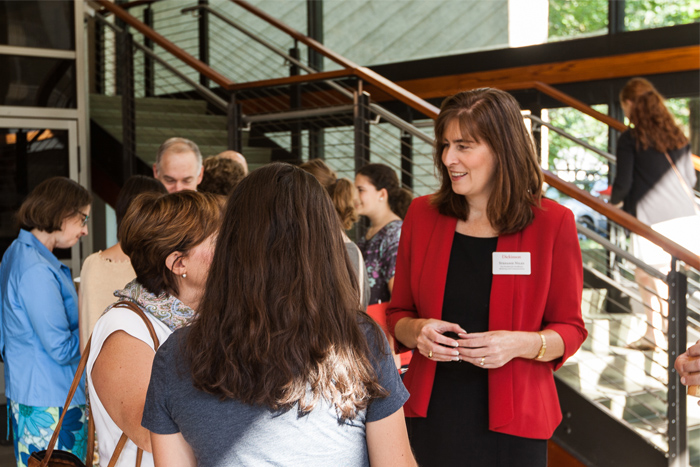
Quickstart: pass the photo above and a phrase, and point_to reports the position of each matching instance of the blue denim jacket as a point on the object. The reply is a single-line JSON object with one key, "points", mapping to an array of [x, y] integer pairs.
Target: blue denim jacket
{"points": [[39, 333]]}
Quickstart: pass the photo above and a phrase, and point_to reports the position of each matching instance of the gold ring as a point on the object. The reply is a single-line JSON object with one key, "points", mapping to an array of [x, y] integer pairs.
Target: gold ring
{"points": [[430, 354], [482, 360]]}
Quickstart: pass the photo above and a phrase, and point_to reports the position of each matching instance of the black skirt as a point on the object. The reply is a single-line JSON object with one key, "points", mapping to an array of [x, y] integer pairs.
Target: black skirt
{"points": [[455, 432]]}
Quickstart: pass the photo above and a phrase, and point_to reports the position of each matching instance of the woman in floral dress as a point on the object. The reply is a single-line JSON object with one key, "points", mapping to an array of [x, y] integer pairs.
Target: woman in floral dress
{"points": [[384, 203]]}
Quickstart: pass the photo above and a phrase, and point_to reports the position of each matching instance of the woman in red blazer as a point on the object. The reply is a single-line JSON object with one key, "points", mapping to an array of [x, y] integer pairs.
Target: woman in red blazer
{"points": [[488, 277]]}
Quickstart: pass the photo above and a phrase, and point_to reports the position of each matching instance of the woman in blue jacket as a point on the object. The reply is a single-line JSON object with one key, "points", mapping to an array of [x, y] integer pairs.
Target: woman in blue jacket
{"points": [[39, 338]]}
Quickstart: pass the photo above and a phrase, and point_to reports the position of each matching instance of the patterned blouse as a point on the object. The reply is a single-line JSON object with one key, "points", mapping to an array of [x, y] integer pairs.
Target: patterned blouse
{"points": [[380, 258]]}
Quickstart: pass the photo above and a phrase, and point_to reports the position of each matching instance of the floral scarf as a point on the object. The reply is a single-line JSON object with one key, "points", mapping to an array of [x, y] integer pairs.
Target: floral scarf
{"points": [[167, 309]]}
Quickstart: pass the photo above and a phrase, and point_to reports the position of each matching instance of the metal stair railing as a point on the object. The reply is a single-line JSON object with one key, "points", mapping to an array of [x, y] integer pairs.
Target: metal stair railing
{"points": [[640, 389], [306, 114], [139, 112]]}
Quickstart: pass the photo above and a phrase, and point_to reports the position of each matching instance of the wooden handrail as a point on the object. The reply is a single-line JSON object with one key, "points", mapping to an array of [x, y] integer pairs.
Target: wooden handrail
{"points": [[565, 99], [315, 45], [171, 48], [297, 79], [135, 3], [377, 80], [623, 219], [578, 105]]}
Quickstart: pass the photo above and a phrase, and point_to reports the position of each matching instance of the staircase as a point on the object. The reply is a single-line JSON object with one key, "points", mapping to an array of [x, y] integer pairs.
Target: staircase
{"points": [[618, 404], [158, 119]]}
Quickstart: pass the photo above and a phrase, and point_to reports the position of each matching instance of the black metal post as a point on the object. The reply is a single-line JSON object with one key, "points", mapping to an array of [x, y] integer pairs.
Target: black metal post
{"points": [[295, 103], [407, 155], [99, 62], [615, 111], [616, 16], [203, 40], [677, 341], [235, 139], [317, 143], [148, 68], [118, 51], [314, 21], [537, 132], [361, 119], [128, 107]]}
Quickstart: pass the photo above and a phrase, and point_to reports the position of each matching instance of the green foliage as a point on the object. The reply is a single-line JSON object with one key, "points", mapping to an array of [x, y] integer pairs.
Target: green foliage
{"points": [[644, 14], [569, 18], [573, 162]]}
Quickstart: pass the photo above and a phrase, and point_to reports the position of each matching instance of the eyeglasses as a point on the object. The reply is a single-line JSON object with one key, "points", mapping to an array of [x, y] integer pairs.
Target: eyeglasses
{"points": [[85, 218]]}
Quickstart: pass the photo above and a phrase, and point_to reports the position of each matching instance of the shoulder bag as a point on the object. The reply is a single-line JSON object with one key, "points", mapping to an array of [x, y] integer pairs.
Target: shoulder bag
{"points": [[51, 457]]}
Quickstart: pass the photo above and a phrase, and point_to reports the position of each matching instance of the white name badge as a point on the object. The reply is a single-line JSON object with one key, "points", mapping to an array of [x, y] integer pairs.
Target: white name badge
{"points": [[517, 263]]}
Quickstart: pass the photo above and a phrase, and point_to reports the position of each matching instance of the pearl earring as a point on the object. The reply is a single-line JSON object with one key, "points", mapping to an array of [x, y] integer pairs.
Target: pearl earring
{"points": [[184, 275], [381, 198]]}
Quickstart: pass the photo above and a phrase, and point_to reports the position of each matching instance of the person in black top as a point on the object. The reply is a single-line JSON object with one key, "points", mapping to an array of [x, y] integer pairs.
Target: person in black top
{"points": [[653, 182]]}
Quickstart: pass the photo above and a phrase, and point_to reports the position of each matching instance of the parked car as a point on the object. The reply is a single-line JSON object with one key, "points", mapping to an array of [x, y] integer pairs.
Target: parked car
{"points": [[584, 215]]}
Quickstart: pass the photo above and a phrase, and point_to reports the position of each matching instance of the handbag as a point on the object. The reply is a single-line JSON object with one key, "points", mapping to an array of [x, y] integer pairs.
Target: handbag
{"points": [[682, 230], [51, 457]]}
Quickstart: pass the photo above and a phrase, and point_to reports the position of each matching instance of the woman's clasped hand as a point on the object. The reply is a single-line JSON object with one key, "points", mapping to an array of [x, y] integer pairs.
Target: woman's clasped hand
{"points": [[491, 349]]}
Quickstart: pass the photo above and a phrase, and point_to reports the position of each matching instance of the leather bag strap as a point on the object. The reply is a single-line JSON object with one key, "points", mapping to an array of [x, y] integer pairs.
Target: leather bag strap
{"points": [[71, 393], [74, 386], [117, 450]]}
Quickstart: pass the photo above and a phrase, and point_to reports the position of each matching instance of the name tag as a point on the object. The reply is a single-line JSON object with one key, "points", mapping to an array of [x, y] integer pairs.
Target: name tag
{"points": [[517, 263]]}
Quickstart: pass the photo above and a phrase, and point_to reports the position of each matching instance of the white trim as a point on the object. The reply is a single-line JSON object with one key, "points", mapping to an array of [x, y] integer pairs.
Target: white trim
{"points": [[32, 112], [37, 52], [81, 94]]}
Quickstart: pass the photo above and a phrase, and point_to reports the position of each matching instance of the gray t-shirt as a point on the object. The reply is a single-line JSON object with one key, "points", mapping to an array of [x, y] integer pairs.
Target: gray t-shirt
{"points": [[231, 433]]}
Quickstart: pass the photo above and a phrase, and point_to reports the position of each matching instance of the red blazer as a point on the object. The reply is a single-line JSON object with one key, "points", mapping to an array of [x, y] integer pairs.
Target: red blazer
{"points": [[522, 396]]}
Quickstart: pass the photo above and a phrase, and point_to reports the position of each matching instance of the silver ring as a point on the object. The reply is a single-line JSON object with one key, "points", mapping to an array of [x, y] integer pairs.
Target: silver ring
{"points": [[482, 361]]}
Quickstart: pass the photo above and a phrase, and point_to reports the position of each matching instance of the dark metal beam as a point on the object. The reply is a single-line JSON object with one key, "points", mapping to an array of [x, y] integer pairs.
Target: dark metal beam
{"points": [[203, 40], [314, 21]]}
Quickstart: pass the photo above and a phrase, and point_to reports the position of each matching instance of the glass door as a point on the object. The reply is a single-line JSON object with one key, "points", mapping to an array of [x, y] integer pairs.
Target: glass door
{"points": [[32, 150]]}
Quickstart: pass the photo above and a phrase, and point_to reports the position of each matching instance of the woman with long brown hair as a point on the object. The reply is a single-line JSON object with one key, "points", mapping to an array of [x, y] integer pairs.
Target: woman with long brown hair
{"points": [[343, 194], [169, 239], [654, 182], [280, 366], [488, 292]]}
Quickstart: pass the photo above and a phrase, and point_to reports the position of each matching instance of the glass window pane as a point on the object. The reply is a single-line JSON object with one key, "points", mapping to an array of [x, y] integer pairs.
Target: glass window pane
{"points": [[645, 14], [27, 157], [577, 18], [37, 82], [38, 23], [572, 162]]}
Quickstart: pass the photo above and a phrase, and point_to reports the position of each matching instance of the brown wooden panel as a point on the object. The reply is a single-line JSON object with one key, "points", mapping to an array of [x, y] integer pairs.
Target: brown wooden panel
{"points": [[617, 66]]}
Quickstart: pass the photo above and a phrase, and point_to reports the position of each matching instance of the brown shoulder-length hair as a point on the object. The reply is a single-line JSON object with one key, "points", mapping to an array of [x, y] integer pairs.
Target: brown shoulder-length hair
{"points": [[493, 117], [341, 190], [156, 225], [50, 202], [280, 311], [652, 123]]}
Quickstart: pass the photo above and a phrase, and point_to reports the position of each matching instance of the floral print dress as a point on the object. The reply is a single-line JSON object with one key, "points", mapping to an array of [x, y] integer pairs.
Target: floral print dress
{"points": [[379, 253], [34, 426]]}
